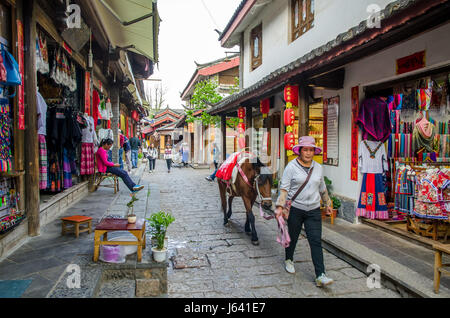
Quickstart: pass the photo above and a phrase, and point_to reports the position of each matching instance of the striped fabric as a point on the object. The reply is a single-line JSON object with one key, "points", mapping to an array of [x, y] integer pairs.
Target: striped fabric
{"points": [[87, 159], [43, 162]]}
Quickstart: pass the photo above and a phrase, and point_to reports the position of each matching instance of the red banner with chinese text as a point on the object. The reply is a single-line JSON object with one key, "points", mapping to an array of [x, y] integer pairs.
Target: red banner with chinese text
{"points": [[21, 91], [325, 130], [354, 146], [87, 93]]}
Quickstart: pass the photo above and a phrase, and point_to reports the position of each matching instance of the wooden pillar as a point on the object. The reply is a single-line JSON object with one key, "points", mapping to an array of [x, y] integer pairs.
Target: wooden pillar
{"points": [[248, 126], [223, 127], [31, 138], [303, 111], [115, 105]]}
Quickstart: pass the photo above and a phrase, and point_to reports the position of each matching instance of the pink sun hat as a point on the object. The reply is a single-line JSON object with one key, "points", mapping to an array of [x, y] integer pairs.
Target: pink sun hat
{"points": [[306, 141]]}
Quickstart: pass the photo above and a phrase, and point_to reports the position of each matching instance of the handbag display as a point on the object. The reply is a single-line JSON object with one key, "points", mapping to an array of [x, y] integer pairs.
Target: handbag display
{"points": [[13, 77], [287, 206]]}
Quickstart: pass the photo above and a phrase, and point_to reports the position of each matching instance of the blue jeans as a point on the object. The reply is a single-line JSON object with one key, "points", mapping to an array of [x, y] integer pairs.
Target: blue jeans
{"points": [[123, 175], [213, 176], [152, 163], [121, 158], [134, 158]]}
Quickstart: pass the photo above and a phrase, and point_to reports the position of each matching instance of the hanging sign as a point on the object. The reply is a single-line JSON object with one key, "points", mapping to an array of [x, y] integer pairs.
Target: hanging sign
{"points": [[331, 131], [135, 116], [354, 146], [21, 90], [87, 93], [411, 63]]}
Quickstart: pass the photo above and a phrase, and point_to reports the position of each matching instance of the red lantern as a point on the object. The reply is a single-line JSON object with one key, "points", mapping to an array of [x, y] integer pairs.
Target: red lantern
{"points": [[289, 117], [289, 141], [241, 113], [241, 128], [241, 142], [265, 107], [291, 94]]}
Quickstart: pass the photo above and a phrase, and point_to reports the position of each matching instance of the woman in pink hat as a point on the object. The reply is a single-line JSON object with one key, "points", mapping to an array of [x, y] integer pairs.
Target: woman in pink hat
{"points": [[303, 184]]}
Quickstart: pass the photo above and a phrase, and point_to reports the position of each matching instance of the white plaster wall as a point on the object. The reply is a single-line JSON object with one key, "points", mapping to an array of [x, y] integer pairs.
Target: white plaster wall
{"points": [[332, 17], [371, 70]]}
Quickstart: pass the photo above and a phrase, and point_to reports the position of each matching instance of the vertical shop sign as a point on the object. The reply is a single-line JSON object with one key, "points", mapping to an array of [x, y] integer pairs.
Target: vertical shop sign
{"points": [[87, 93], [354, 147], [325, 130], [21, 70]]}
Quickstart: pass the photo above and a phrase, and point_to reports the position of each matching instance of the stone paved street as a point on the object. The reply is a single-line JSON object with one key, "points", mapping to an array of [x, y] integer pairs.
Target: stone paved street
{"points": [[210, 260]]}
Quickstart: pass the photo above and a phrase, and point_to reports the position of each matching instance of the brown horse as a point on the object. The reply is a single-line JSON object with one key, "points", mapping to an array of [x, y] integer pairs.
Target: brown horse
{"points": [[258, 185]]}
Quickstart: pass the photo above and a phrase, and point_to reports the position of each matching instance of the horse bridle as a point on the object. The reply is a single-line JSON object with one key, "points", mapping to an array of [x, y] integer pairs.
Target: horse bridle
{"points": [[255, 184]]}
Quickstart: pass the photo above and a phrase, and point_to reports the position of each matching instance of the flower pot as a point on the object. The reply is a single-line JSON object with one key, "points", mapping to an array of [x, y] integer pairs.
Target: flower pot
{"points": [[132, 219], [159, 256]]}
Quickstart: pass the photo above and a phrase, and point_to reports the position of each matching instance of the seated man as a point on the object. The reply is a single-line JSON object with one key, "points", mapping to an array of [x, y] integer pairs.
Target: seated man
{"points": [[105, 166]]}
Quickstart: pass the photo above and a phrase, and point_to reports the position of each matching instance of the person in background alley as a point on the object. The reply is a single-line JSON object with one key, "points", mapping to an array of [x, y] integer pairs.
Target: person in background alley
{"points": [[127, 150], [305, 209], [121, 152], [216, 159], [152, 155], [168, 157], [184, 150], [105, 166], [135, 144]]}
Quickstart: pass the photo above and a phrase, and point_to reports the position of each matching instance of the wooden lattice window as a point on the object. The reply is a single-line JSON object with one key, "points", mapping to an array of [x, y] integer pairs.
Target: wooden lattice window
{"points": [[256, 47], [302, 17]]}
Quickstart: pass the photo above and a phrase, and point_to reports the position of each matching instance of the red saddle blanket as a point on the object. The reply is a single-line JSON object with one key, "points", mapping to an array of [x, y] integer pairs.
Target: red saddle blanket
{"points": [[226, 169]]}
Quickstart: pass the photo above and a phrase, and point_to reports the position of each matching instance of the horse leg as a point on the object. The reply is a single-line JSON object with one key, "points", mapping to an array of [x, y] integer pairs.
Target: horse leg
{"points": [[230, 212], [223, 199], [251, 220], [248, 231]]}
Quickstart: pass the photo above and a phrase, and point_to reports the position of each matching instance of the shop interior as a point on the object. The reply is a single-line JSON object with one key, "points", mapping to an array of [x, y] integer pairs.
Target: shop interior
{"points": [[417, 181]]}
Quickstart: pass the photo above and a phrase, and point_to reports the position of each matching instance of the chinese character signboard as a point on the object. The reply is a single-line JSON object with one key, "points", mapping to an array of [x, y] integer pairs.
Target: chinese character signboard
{"points": [[354, 147]]}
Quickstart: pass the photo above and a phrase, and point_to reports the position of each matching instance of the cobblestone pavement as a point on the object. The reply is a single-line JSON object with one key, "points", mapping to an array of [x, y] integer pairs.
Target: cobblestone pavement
{"points": [[209, 260]]}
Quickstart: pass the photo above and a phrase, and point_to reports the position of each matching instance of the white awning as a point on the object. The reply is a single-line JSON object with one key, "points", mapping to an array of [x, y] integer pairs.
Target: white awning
{"points": [[131, 24]]}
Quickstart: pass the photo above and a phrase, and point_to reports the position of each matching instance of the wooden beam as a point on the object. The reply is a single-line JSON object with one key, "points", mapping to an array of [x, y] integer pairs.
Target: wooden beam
{"points": [[31, 138]]}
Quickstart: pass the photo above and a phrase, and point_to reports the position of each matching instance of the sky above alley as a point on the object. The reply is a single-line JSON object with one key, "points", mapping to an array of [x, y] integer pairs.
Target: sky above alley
{"points": [[187, 35]]}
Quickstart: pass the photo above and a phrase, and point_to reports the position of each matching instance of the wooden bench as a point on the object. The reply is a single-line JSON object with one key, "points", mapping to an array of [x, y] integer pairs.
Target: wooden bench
{"points": [[76, 221], [439, 268]]}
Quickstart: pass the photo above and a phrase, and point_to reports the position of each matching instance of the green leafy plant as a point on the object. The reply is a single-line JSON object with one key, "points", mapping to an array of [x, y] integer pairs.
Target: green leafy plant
{"points": [[140, 156], [130, 205], [336, 203], [159, 222]]}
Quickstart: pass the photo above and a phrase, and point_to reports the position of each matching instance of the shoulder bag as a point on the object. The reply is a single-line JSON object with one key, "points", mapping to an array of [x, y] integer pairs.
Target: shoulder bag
{"points": [[287, 206]]}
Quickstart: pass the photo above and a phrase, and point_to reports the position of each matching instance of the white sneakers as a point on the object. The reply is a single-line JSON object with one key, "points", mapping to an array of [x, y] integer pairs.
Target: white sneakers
{"points": [[323, 280], [289, 265]]}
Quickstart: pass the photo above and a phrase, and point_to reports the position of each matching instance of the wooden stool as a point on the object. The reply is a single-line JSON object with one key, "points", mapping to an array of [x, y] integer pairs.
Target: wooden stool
{"points": [[98, 179], [76, 221], [439, 268]]}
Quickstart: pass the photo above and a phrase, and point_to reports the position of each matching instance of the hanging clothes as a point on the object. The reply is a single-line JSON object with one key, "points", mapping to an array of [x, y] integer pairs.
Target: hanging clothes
{"points": [[423, 136], [374, 119], [89, 142], [95, 104], [404, 189], [5, 137], [373, 163], [42, 133]]}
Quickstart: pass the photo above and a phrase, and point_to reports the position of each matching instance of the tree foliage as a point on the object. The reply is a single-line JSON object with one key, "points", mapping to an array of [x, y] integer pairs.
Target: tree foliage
{"points": [[205, 96]]}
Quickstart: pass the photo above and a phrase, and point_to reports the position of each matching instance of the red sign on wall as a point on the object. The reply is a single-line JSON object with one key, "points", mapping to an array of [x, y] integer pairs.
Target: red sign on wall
{"points": [[354, 146], [87, 93], [21, 70], [411, 63]]}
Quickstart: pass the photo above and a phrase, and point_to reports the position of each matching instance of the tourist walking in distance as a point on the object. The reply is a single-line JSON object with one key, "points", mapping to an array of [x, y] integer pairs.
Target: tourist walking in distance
{"points": [[304, 177], [135, 144], [216, 159], [168, 157], [152, 155]]}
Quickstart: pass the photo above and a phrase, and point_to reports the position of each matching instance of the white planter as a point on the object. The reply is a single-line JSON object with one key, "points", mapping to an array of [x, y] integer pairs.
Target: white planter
{"points": [[132, 219], [159, 256]]}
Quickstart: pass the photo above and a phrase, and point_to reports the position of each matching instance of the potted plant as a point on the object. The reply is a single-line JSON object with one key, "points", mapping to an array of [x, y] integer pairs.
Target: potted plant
{"points": [[159, 222], [336, 201], [130, 213]]}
